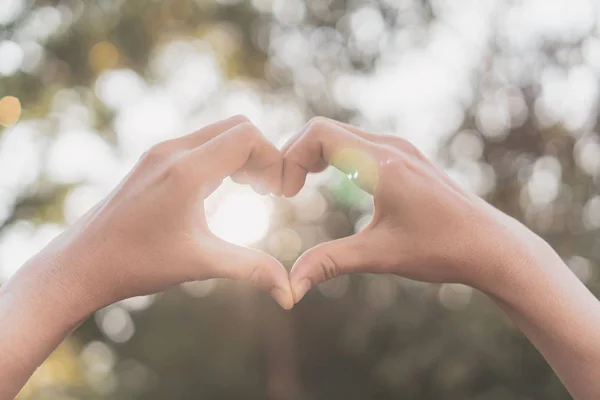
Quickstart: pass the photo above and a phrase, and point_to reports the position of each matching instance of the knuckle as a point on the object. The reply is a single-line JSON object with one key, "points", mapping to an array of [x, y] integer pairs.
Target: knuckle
{"points": [[408, 147], [239, 119], [255, 276], [249, 133], [329, 267], [178, 170], [395, 165], [316, 125], [159, 152]]}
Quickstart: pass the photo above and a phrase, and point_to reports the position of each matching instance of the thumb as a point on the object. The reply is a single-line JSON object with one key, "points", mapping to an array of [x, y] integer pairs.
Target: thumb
{"points": [[330, 260], [260, 269]]}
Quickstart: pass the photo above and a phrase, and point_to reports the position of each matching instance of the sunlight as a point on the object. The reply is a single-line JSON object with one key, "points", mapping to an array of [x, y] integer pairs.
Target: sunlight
{"points": [[241, 217]]}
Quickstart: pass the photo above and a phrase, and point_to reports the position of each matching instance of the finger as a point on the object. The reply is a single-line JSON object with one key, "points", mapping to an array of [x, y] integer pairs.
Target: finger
{"points": [[357, 253], [294, 138], [324, 142], [207, 133], [252, 178], [387, 140], [260, 269], [242, 147]]}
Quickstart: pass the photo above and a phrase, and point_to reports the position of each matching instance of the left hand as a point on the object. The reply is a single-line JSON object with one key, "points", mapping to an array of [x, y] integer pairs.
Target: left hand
{"points": [[151, 232]]}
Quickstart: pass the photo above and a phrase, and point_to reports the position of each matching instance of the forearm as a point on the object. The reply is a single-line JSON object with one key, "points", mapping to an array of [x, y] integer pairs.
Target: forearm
{"points": [[37, 311], [558, 314]]}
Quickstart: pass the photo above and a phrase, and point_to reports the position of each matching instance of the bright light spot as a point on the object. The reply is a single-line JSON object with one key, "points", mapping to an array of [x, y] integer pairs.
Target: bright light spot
{"points": [[475, 177], [116, 323], [363, 222], [137, 303], [22, 241], [242, 217], [581, 267], [152, 119], [543, 186], [309, 206], [10, 10], [193, 80], [368, 26], [528, 22], [98, 358], [199, 288], [81, 199], [335, 288], [33, 56], [591, 213], [41, 22], [10, 110], [289, 12], [78, 156], [587, 154], [103, 55], [11, 55], [455, 296], [116, 88], [493, 119], [466, 144], [245, 102]]}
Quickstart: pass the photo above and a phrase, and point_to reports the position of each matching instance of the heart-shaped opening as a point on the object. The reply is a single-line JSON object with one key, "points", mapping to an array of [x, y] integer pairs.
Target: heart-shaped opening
{"points": [[237, 214]]}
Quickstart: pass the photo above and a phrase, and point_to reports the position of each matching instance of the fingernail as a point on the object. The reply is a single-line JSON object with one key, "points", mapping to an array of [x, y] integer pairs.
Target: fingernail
{"points": [[281, 298], [300, 289]]}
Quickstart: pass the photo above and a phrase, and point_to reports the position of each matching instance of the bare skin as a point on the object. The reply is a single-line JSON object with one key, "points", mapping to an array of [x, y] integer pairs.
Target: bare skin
{"points": [[150, 234], [427, 228]]}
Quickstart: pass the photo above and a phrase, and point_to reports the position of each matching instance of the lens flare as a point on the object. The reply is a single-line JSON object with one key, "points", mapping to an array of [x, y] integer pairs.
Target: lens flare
{"points": [[359, 166]]}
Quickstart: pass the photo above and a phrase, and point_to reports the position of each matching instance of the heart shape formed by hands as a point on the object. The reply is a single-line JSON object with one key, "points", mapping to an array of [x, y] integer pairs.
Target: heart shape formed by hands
{"points": [[148, 235], [172, 180], [411, 197]]}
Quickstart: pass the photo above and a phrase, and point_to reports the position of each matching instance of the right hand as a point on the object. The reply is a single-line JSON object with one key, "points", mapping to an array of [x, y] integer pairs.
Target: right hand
{"points": [[425, 227]]}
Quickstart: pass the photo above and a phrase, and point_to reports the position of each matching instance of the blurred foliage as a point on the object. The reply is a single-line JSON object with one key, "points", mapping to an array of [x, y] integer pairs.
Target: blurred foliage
{"points": [[354, 338]]}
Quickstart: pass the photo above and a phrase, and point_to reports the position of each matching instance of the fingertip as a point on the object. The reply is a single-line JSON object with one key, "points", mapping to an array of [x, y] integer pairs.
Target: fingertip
{"points": [[299, 282], [280, 290], [294, 177], [300, 289], [283, 297]]}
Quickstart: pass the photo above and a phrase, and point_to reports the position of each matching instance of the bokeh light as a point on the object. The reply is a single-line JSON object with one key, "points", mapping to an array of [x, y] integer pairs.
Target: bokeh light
{"points": [[10, 110], [503, 96], [242, 217]]}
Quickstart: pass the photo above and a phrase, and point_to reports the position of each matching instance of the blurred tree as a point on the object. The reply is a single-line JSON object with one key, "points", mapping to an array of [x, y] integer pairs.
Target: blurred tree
{"points": [[512, 141]]}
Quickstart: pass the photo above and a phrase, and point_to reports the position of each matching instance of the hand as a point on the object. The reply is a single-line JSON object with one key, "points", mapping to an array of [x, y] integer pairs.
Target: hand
{"points": [[425, 227], [151, 232]]}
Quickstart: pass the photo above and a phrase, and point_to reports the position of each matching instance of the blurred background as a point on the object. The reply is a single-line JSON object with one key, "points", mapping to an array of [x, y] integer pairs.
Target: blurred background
{"points": [[503, 95]]}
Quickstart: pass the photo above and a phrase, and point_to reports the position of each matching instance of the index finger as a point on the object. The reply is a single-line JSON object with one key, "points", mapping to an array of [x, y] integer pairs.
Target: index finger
{"points": [[241, 147], [325, 142]]}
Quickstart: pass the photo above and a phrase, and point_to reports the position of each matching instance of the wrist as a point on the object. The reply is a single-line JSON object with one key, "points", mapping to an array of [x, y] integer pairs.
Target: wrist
{"points": [[38, 309], [51, 284], [526, 266], [507, 256]]}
